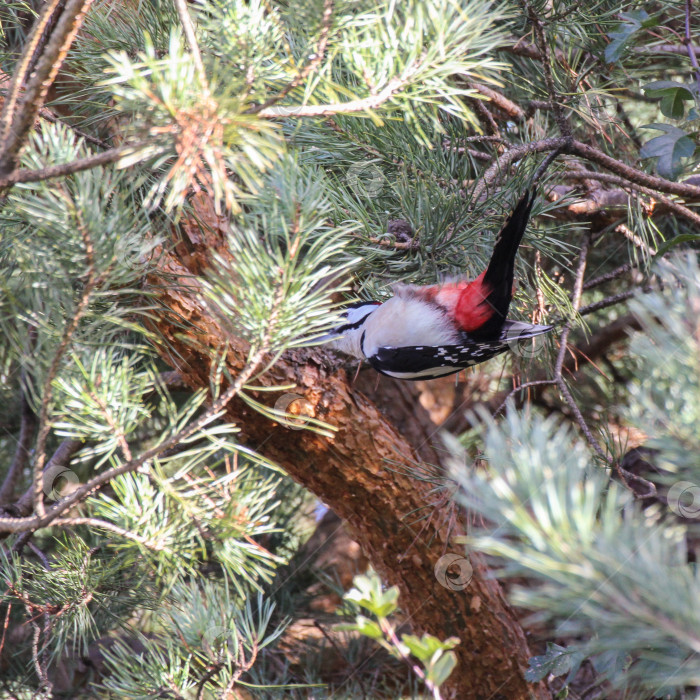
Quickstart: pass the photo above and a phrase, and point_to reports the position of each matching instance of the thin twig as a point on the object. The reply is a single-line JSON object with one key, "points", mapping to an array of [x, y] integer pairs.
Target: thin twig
{"points": [[191, 37], [563, 348], [670, 204], [580, 419], [111, 527], [110, 156], [21, 456], [608, 277], [607, 302], [635, 240], [44, 425], [41, 555], [512, 109], [485, 116], [47, 114], [315, 60], [562, 123], [522, 387], [542, 169], [575, 303], [362, 105], [20, 121], [92, 281], [689, 42], [4, 627]]}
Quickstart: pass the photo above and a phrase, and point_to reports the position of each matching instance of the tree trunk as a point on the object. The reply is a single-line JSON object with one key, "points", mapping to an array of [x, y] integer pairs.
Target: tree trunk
{"points": [[358, 474]]}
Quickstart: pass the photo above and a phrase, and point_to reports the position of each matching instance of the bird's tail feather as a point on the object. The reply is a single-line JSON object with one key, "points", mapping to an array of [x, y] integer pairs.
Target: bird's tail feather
{"points": [[498, 278], [502, 261]]}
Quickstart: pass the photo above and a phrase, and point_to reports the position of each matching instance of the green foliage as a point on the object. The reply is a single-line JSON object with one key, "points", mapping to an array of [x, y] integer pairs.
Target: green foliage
{"points": [[631, 24], [171, 110], [668, 149], [601, 569], [436, 657], [673, 96], [558, 661], [665, 397], [171, 568], [287, 260]]}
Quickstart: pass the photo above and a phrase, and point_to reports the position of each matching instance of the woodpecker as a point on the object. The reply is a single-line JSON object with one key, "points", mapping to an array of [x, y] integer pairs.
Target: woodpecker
{"points": [[424, 332]]}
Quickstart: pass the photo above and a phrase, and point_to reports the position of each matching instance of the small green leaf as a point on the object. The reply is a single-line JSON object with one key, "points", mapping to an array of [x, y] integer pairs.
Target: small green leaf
{"points": [[558, 660], [369, 628], [673, 96], [678, 240], [439, 670], [368, 594], [668, 149], [632, 22], [425, 647]]}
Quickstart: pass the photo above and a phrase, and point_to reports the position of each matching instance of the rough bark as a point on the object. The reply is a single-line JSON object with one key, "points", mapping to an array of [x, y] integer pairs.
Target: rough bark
{"points": [[358, 475]]}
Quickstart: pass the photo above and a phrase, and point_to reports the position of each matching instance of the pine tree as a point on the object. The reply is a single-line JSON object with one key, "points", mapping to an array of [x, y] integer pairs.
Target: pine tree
{"points": [[188, 192]]}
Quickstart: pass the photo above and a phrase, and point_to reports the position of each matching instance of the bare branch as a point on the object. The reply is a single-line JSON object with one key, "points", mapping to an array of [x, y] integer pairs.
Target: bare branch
{"points": [[669, 204], [608, 277], [506, 159], [607, 302], [22, 67], [512, 109], [21, 457], [362, 105], [631, 174], [76, 166], [17, 123]]}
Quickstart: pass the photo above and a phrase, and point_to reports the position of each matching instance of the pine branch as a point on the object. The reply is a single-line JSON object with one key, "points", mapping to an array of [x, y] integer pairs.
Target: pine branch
{"points": [[35, 42], [44, 518], [110, 527], [16, 122], [314, 60], [669, 204], [21, 457], [191, 37], [98, 159], [361, 105]]}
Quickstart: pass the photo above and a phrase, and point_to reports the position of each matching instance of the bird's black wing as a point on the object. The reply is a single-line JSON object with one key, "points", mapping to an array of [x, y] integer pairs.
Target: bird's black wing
{"points": [[427, 362], [430, 361]]}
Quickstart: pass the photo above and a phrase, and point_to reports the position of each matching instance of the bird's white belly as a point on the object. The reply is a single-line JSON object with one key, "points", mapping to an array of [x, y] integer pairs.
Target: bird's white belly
{"points": [[401, 322]]}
